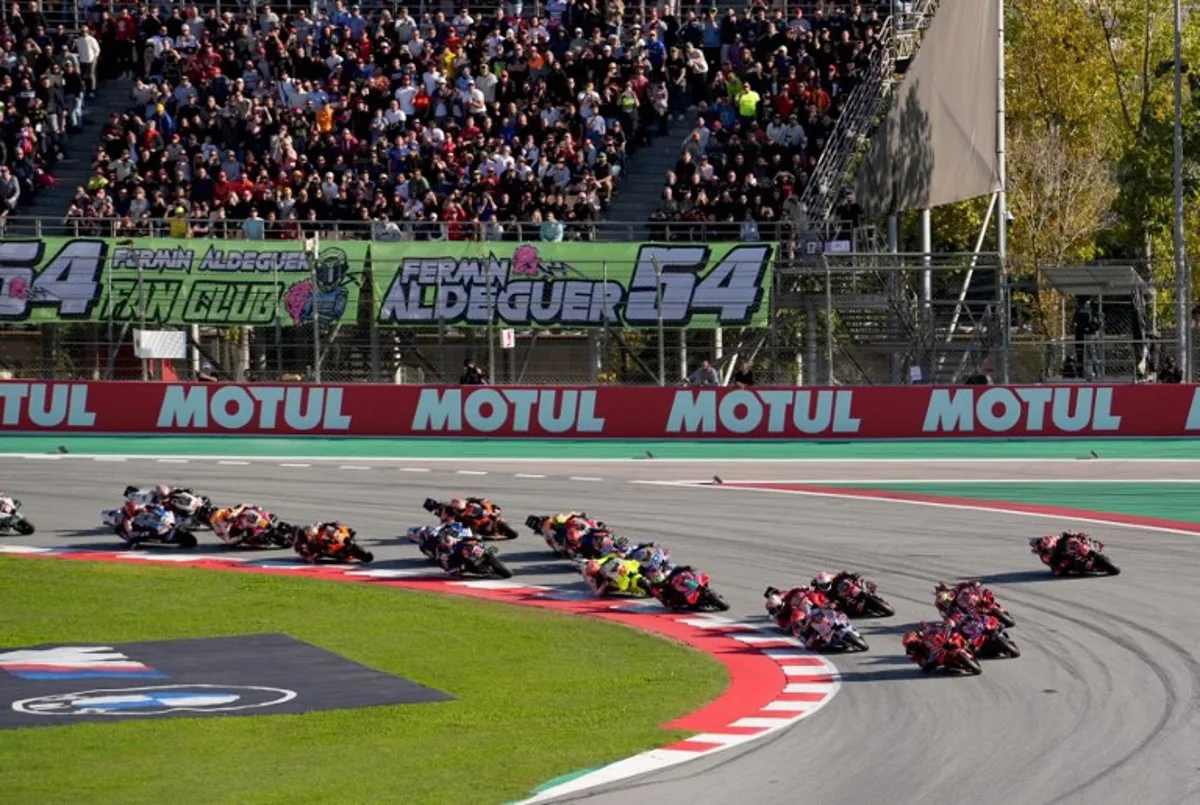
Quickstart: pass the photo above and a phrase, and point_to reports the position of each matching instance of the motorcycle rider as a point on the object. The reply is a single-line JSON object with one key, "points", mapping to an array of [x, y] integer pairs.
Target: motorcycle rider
{"points": [[614, 573], [8, 504], [570, 530], [143, 522], [783, 606], [663, 580], [156, 496], [238, 524], [924, 645], [845, 585], [649, 555], [446, 542], [1066, 547], [314, 541], [818, 627]]}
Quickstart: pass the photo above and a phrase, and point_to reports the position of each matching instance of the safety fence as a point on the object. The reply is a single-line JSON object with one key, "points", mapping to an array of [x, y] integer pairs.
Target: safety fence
{"points": [[898, 412], [329, 310]]}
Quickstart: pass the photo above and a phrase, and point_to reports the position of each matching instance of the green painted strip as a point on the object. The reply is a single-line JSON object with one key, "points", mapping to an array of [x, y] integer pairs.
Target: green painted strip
{"points": [[1172, 501], [433, 448]]}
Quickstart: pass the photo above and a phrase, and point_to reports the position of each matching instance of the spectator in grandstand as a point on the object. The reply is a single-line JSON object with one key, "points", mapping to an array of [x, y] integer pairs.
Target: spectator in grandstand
{"points": [[451, 126], [744, 375], [773, 90]]}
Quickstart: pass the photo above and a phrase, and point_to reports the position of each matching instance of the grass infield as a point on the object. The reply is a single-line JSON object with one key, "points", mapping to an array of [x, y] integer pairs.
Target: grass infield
{"points": [[539, 694]]}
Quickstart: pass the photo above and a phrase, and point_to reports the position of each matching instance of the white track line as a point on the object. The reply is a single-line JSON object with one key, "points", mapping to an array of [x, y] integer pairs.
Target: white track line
{"points": [[234, 463], [353, 467], [414, 469], [706, 460], [296, 465], [585, 478], [967, 507], [108, 458], [527, 475], [172, 461]]}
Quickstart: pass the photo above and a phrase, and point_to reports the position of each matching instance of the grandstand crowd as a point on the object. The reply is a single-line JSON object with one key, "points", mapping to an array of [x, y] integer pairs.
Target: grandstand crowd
{"points": [[260, 121]]}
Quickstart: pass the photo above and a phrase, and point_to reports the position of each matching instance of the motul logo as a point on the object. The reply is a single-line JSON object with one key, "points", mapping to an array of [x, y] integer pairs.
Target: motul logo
{"points": [[1004, 410], [490, 410], [254, 408], [46, 405], [745, 412]]}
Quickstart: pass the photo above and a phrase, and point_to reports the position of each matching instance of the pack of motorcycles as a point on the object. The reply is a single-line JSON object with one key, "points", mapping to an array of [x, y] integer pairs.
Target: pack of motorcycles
{"points": [[973, 623]]}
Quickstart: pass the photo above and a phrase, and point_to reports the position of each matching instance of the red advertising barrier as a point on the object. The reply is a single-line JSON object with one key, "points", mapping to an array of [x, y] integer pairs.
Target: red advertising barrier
{"points": [[615, 412]]}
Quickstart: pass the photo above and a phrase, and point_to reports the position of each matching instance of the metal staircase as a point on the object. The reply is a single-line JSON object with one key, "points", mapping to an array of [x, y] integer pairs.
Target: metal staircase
{"points": [[899, 38]]}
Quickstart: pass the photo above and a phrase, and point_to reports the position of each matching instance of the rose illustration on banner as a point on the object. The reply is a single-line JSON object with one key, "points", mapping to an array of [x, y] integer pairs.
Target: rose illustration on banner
{"points": [[525, 261], [297, 299], [18, 288]]}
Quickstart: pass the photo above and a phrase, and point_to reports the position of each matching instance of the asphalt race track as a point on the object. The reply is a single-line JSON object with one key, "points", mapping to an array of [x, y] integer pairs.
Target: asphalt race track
{"points": [[1103, 706]]}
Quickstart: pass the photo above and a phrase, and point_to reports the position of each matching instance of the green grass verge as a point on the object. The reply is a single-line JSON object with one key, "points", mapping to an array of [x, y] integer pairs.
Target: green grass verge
{"points": [[540, 694]]}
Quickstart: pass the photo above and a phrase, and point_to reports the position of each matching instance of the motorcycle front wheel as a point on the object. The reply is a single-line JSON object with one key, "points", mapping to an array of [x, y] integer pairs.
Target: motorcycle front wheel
{"points": [[1104, 565], [505, 530], [857, 641], [713, 600], [878, 607], [23, 527], [364, 556]]}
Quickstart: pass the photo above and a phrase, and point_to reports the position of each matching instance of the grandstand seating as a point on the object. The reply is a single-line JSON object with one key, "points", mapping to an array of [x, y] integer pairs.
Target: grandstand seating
{"points": [[46, 79], [462, 124]]}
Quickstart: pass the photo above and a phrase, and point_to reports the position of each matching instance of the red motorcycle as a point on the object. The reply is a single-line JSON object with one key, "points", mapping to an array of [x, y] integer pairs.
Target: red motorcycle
{"points": [[857, 597], [968, 599], [480, 515], [686, 589], [1073, 553], [949, 651], [986, 636]]}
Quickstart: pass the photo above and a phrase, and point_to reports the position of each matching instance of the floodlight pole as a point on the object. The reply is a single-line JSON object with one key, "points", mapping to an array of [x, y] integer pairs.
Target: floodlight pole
{"points": [[1183, 280], [1002, 297]]}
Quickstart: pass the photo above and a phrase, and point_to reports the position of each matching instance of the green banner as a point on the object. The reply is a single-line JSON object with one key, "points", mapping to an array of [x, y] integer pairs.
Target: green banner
{"points": [[573, 285], [184, 281]]}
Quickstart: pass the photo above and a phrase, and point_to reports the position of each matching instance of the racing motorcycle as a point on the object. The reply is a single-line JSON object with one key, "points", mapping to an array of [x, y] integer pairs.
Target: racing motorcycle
{"points": [[857, 597], [1079, 554], [987, 638], [333, 541], [684, 588], [951, 652], [148, 525], [268, 530], [980, 600], [11, 518], [425, 538], [487, 525], [475, 559], [192, 511], [838, 633], [595, 543]]}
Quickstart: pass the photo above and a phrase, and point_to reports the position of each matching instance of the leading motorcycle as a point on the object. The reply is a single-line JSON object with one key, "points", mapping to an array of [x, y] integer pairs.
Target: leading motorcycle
{"points": [[11, 518], [1073, 553]]}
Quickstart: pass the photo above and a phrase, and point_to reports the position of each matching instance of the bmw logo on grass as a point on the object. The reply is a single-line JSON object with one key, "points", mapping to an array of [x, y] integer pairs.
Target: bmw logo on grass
{"points": [[154, 700]]}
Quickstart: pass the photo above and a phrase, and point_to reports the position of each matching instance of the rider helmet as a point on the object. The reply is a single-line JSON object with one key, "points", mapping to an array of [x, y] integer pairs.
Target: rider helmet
{"points": [[592, 568], [457, 504], [823, 581], [162, 491]]}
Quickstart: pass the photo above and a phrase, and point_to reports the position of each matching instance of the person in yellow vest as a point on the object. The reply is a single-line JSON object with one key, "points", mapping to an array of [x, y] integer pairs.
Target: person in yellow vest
{"points": [[747, 104], [179, 227]]}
